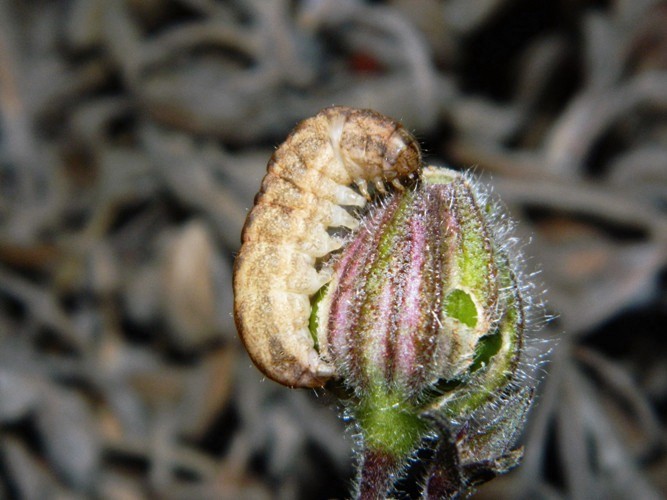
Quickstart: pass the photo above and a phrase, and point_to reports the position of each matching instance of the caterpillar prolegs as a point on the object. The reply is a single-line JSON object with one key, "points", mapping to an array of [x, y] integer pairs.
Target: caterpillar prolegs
{"points": [[309, 180]]}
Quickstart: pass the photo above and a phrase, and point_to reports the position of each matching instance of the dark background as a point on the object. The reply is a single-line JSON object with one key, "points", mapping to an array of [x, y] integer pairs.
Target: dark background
{"points": [[133, 137]]}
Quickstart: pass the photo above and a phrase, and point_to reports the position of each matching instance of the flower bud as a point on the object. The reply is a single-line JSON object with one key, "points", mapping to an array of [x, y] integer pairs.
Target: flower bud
{"points": [[423, 317]]}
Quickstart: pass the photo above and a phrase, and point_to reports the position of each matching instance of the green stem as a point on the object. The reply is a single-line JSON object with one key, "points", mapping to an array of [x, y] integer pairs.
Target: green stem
{"points": [[391, 430], [388, 422]]}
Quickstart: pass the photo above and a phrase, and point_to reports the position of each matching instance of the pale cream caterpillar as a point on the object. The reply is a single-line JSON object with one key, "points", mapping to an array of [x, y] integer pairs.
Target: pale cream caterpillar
{"points": [[308, 182]]}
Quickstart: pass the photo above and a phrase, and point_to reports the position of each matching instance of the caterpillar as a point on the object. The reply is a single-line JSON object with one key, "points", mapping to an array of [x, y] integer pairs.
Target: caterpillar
{"points": [[309, 179]]}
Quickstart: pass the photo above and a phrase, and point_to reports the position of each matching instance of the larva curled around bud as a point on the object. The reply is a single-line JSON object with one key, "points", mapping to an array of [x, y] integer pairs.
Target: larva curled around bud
{"points": [[309, 180]]}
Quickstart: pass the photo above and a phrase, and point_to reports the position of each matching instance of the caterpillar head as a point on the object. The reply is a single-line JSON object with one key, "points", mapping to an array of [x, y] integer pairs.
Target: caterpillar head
{"points": [[403, 155], [373, 146]]}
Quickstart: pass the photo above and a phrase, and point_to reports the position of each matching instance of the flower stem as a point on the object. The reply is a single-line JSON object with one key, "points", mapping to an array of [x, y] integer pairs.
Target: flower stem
{"points": [[378, 469]]}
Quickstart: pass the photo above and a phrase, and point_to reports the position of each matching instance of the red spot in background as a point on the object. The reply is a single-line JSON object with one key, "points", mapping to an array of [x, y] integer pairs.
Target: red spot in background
{"points": [[362, 62]]}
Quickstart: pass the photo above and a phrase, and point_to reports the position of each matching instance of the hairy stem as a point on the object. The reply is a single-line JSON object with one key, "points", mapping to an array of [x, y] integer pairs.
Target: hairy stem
{"points": [[377, 474]]}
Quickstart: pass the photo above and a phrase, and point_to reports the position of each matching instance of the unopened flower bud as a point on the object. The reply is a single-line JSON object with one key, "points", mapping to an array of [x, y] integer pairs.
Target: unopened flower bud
{"points": [[423, 318]]}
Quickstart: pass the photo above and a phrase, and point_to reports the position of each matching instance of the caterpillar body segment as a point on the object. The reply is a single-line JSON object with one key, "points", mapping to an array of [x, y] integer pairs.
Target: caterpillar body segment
{"points": [[309, 180]]}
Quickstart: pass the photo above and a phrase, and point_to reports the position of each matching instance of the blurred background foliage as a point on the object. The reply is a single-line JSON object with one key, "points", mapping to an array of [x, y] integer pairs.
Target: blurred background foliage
{"points": [[133, 137]]}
